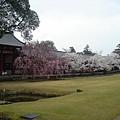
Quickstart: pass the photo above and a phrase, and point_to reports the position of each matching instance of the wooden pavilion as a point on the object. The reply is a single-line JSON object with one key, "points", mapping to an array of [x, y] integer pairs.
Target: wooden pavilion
{"points": [[9, 50]]}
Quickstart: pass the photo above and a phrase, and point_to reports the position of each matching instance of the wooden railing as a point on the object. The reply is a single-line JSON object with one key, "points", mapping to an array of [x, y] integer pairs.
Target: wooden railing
{"points": [[12, 77]]}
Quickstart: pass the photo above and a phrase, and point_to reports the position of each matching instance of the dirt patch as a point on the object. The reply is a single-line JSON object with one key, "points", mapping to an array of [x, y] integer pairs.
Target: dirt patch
{"points": [[118, 118]]}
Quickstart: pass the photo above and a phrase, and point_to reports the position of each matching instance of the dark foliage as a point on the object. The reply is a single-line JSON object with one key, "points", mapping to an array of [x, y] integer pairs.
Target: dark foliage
{"points": [[16, 15]]}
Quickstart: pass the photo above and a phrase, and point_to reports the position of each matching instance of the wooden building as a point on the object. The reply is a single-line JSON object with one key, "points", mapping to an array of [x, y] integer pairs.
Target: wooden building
{"points": [[9, 50]]}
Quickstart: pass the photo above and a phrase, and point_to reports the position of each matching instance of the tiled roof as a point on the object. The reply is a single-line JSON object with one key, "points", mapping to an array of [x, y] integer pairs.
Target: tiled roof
{"points": [[10, 40], [58, 53]]}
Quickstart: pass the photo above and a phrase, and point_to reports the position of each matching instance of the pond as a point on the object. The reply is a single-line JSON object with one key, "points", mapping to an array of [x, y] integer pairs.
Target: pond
{"points": [[21, 98], [24, 96]]}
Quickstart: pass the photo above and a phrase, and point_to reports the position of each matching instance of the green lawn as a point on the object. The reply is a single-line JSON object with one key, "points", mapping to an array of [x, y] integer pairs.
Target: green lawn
{"points": [[100, 99]]}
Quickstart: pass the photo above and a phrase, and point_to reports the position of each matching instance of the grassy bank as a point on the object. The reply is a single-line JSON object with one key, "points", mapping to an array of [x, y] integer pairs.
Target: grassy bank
{"points": [[100, 99]]}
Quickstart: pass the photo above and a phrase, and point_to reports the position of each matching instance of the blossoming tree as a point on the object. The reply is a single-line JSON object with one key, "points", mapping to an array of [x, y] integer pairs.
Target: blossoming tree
{"points": [[96, 63], [38, 60]]}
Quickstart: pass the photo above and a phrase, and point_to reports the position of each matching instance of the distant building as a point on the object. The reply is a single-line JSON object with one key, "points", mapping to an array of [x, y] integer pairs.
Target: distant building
{"points": [[9, 50], [58, 54]]}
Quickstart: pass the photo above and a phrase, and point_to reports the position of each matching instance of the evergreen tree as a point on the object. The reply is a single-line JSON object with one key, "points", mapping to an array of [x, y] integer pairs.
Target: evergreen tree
{"points": [[117, 50], [87, 50], [72, 49]]}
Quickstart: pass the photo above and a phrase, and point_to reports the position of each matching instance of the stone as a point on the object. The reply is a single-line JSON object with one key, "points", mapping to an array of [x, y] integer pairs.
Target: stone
{"points": [[30, 115], [79, 90]]}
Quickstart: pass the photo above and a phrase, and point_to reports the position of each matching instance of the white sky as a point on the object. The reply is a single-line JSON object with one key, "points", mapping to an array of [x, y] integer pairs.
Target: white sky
{"points": [[79, 22]]}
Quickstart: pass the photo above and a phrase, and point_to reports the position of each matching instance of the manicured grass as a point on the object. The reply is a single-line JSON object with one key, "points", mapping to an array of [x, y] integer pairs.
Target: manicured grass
{"points": [[100, 99]]}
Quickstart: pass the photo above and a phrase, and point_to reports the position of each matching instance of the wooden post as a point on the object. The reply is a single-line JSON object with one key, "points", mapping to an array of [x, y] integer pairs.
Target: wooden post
{"points": [[1, 59], [13, 58]]}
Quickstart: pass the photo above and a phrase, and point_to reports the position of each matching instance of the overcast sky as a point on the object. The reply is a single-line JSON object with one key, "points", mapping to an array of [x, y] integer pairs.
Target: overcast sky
{"points": [[79, 22]]}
